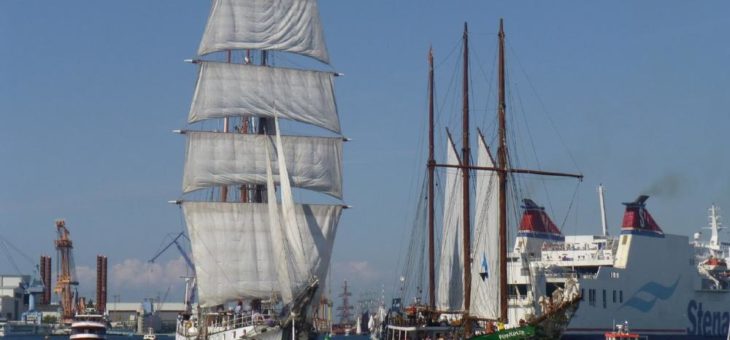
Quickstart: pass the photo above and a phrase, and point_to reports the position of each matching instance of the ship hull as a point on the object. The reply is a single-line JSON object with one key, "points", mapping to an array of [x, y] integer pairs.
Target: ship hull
{"points": [[272, 333], [656, 288], [652, 337]]}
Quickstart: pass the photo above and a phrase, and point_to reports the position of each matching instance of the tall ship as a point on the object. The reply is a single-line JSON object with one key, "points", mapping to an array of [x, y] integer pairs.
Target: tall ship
{"points": [[260, 257], [470, 288]]}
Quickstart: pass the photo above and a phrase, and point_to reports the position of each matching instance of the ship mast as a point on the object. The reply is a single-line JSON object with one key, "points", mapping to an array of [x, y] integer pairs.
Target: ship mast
{"points": [[465, 150], [224, 189], [502, 176], [502, 168], [465, 167], [431, 169]]}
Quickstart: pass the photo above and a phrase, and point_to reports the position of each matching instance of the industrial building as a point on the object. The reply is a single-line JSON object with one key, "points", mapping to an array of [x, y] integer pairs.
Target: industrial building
{"points": [[141, 315], [13, 301]]}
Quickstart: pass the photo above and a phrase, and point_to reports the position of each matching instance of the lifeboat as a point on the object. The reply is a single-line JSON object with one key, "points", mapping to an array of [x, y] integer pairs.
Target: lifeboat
{"points": [[715, 264]]}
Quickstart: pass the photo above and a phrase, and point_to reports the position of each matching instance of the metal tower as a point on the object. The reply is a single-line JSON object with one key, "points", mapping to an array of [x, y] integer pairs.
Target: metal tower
{"points": [[345, 311], [65, 271]]}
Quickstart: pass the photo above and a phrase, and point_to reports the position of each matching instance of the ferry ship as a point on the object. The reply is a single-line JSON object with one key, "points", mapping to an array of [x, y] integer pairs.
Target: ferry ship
{"points": [[668, 286], [88, 327]]}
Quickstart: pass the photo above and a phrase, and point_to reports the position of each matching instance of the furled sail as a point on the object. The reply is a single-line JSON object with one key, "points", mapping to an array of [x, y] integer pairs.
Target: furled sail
{"points": [[450, 287], [215, 159], [233, 247], [225, 89], [485, 250], [283, 25]]}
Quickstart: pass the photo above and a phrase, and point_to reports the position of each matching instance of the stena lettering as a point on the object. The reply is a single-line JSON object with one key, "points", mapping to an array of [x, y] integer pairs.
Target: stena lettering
{"points": [[706, 322]]}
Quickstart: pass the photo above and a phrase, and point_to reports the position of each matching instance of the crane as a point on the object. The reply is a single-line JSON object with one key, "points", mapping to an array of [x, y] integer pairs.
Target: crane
{"points": [[161, 301], [32, 288], [66, 273], [190, 282]]}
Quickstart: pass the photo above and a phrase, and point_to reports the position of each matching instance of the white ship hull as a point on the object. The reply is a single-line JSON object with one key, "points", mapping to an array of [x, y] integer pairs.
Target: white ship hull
{"points": [[658, 290], [249, 332], [663, 285], [232, 330]]}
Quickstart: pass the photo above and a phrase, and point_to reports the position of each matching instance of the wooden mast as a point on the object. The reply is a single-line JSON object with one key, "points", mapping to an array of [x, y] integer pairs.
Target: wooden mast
{"points": [[244, 129], [502, 175], [503, 170], [262, 129], [224, 189], [431, 169], [465, 150]]}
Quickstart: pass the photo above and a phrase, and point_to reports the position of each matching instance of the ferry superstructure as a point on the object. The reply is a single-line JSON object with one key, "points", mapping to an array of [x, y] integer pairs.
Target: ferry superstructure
{"points": [[667, 286]]}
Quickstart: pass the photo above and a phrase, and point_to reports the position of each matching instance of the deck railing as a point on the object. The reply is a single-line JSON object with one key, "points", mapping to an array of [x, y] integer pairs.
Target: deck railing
{"points": [[225, 321]]}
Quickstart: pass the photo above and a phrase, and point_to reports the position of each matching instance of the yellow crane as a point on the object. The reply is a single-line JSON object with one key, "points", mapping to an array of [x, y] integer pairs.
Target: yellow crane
{"points": [[66, 272]]}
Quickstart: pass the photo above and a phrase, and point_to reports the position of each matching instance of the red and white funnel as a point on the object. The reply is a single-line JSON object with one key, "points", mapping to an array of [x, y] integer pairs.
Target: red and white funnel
{"points": [[638, 220], [536, 223]]}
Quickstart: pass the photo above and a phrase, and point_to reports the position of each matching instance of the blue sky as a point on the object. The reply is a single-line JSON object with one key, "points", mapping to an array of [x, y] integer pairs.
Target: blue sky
{"points": [[634, 95]]}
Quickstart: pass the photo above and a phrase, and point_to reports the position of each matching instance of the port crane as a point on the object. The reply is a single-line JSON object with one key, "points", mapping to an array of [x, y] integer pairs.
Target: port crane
{"points": [[31, 289], [66, 272], [190, 282]]}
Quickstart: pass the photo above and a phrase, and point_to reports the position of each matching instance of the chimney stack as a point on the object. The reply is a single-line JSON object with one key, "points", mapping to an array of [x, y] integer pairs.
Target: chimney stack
{"points": [[101, 283], [45, 273]]}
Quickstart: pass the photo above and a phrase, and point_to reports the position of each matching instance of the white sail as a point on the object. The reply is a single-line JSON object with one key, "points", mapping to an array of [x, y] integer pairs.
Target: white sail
{"points": [[233, 248], [450, 287], [283, 25], [485, 250], [215, 159], [297, 235], [279, 244], [225, 89]]}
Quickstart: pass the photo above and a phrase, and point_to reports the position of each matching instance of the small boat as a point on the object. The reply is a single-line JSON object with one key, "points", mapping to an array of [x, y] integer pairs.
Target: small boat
{"points": [[622, 332], [714, 264], [150, 334], [88, 326]]}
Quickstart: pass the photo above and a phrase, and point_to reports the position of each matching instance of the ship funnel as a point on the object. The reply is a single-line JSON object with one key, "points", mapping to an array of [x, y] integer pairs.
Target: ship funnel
{"points": [[536, 223], [638, 220]]}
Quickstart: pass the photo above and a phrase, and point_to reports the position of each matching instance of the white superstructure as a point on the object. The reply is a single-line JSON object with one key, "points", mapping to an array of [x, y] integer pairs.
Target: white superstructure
{"points": [[88, 327]]}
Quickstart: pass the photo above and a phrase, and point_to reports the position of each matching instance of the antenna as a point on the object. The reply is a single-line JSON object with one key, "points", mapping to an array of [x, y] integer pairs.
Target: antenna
{"points": [[604, 223], [715, 227]]}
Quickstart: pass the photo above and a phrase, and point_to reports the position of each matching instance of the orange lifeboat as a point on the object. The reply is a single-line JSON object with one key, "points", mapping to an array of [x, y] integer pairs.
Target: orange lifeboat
{"points": [[715, 264]]}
